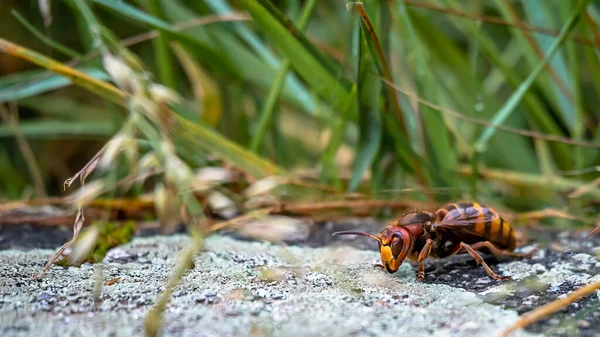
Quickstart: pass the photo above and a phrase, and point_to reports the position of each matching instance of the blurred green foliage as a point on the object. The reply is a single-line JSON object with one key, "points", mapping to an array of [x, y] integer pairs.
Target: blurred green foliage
{"points": [[316, 98]]}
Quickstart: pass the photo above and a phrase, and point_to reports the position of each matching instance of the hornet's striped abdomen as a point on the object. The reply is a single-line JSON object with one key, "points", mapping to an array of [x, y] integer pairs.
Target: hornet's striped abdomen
{"points": [[478, 220]]}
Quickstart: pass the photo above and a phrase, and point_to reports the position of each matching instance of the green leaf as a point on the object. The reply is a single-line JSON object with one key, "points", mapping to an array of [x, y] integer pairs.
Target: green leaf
{"points": [[195, 134], [60, 129], [164, 58], [369, 120], [48, 41], [514, 100], [46, 83], [321, 75], [218, 49], [266, 114], [439, 147], [139, 16], [291, 81], [77, 77]]}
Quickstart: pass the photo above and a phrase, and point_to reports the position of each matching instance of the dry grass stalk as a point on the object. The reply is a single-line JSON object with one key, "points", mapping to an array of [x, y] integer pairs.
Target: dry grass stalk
{"points": [[98, 277], [11, 115], [522, 132], [500, 22], [153, 320], [79, 220], [535, 315]]}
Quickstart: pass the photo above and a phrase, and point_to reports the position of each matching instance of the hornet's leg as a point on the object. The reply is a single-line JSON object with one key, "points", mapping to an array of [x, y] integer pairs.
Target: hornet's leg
{"points": [[480, 261], [422, 256], [499, 252]]}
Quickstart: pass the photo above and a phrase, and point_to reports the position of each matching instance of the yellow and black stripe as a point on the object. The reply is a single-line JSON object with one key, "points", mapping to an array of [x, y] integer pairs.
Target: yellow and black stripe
{"points": [[481, 220]]}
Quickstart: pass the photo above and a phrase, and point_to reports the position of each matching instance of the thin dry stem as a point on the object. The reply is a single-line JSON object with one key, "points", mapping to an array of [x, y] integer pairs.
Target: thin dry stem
{"points": [[79, 220], [146, 36], [595, 230], [498, 21], [556, 183], [193, 23], [585, 189], [538, 52], [545, 213], [387, 73], [12, 117], [153, 321], [238, 220], [86, 170], [535, 315], [522, 132]]}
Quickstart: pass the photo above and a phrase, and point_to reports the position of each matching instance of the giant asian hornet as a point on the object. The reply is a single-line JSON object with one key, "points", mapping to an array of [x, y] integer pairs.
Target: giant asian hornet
{"points": [[458, 228]]}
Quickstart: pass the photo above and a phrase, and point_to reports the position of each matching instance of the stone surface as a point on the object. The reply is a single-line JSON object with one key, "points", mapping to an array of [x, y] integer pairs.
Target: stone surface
{"points": [[241, 288]]}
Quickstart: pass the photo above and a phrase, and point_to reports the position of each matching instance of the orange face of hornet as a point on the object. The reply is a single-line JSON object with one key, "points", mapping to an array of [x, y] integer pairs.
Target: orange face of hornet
{"points": [[395, 242], [394, 245]]}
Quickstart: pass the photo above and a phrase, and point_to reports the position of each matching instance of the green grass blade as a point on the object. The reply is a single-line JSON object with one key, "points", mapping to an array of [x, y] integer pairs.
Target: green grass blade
{"points": [[452, 69], [164, 58], [89, 27], [511, 151], [329, 169], [383, 67], [201, 137], [398, 129], [60, 129], [514, 100], [195, 134], [48, 41], [266, 114], [321, 75], [219, 61], [291, 81], [573, 73], [369, 119], [220, 51], [556, 82], [101, 88], [49, 83], [440, 149]]}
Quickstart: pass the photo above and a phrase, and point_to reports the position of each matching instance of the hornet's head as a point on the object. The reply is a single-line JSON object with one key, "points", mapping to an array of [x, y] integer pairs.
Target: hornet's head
{"points": [[394, 245]]}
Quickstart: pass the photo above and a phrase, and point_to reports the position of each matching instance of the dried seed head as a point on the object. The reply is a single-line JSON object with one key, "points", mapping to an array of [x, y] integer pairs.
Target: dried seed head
{"points": [[84, 245], [45, 9], [168, 148], [120, 73], [119, 142], [161, 94], [85, 194], [214, 174], [144, 106], [166, 204], [206, 178], [177, 172], [274, 229], [132, 152], [148, 162], [222, 205], [263, 186]]}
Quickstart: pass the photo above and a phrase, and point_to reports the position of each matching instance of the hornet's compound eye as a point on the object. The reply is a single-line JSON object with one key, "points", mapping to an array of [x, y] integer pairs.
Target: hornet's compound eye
{"points": [[397, 247]]}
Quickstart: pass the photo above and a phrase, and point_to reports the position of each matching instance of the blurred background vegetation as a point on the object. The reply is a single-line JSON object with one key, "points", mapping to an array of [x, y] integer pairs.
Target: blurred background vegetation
{"points": [[427, 100]]}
